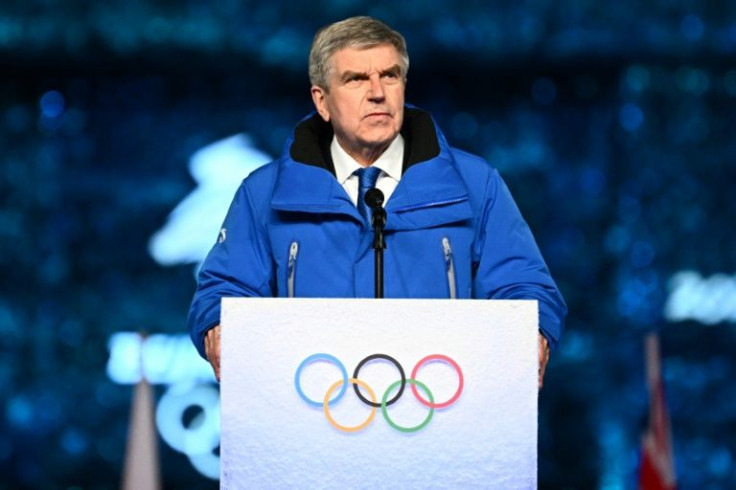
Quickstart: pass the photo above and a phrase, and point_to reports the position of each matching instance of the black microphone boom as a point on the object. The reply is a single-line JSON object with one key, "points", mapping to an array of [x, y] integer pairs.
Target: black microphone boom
{"points": [[374, 199]]}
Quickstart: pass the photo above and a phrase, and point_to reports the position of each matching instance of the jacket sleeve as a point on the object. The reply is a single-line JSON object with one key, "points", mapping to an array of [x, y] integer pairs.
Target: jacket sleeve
{"points": [[239, 265], [509, 263]]}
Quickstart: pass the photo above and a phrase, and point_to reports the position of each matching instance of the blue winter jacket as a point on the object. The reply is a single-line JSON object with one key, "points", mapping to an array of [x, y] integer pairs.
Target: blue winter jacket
{"points": [[452, 231]]}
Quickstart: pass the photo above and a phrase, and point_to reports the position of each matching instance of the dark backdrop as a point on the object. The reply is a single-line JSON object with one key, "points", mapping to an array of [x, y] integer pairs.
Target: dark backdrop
{"points": [[611, 122]]}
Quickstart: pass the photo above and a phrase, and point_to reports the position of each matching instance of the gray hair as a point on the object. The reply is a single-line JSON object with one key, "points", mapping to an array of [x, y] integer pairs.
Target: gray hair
{"points": [[356, 32]]}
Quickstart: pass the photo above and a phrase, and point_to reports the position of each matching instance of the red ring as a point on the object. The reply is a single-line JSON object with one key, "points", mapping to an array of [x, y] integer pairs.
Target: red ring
{"points": [[438, 357]]}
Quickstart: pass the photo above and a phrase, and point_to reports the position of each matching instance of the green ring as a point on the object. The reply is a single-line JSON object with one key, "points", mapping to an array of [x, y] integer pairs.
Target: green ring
{"points": [[385, 410]]}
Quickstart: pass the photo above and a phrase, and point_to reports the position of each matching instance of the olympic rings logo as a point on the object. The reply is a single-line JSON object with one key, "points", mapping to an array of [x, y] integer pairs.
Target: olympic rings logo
{"points": [[385, 402]]}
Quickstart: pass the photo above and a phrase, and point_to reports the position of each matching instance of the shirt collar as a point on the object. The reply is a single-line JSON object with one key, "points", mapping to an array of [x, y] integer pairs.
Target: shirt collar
{"points": [[391, 160]]}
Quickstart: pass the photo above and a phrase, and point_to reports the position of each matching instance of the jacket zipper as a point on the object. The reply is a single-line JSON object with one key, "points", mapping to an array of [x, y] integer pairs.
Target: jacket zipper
{"points": [[450, 267], [293, 252]]}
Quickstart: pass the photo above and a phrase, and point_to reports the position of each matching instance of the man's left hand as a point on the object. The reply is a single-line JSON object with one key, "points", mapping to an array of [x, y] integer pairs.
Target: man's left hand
{"points": [[543, 357]]}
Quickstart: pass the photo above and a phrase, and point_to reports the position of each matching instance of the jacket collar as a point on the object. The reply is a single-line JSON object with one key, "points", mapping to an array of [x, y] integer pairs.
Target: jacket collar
{"points": [[310, 142], [306, 181]]}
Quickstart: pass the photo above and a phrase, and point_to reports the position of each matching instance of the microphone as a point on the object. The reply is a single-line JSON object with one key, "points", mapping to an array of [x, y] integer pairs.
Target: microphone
{"points": [[374, 199]]}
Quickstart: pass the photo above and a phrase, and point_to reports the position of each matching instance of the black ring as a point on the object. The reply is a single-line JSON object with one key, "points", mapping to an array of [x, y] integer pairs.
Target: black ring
{"points": [[390, 359]]}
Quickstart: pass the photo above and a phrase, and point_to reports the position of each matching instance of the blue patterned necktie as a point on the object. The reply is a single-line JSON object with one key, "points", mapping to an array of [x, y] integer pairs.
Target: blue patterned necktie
{"points": [[367, 178]]}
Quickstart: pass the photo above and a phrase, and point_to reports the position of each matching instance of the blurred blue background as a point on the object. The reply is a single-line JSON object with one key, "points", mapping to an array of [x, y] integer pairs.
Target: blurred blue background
{"points": [[612, 122]]}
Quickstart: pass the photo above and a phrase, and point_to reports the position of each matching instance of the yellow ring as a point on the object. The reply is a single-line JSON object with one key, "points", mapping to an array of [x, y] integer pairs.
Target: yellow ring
{"points": [[342, 427]]}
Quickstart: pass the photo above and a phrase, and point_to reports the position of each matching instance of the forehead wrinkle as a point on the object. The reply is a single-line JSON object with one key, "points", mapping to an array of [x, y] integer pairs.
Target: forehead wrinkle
{"points": [[355, 65], [348, 73]]}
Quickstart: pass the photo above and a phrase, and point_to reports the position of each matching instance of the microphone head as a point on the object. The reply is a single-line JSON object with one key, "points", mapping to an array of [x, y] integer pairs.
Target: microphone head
{"points": [[374, 198]]}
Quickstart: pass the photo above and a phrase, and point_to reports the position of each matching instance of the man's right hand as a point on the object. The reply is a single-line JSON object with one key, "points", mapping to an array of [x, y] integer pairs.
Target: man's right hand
{"points": [[212, 349]]}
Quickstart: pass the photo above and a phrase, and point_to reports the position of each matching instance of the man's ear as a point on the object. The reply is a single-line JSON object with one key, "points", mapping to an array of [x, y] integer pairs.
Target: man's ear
{"points": [[318, 97]]}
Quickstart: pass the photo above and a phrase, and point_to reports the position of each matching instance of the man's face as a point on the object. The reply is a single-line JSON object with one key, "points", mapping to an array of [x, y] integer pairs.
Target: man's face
{"points": [[365, 102]]}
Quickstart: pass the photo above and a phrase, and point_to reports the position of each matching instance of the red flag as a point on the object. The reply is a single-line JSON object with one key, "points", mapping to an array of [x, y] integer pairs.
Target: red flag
{"points": [[657, 470]]}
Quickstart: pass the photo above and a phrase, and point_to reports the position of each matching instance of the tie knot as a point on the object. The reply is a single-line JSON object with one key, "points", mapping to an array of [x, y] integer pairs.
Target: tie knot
{"points": [[367, 178]]}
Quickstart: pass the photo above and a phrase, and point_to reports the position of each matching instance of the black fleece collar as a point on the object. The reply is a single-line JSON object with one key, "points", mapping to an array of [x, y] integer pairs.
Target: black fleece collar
{"points": [[313, 136]]}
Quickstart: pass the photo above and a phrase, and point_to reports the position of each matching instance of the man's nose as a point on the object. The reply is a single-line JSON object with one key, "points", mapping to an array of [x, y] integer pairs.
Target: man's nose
{"points": [[376, 89]]}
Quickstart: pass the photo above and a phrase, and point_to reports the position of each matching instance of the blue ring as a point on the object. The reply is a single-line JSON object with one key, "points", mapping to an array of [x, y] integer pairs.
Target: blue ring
{"points": [[321, 357]]}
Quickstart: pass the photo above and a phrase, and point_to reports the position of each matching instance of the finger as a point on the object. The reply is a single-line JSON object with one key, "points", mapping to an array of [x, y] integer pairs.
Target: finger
{"points": [[216, 369], [216, 347], [542, 369], [540, 380], [543, 359], [212, 350]]}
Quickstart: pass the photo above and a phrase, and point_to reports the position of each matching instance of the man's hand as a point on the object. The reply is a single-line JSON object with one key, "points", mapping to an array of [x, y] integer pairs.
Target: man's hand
{"points": [[543, 357], [212, 349]]}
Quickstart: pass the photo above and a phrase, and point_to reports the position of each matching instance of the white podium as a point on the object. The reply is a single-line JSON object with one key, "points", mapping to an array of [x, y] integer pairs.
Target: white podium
{"points": [[447, 394]]}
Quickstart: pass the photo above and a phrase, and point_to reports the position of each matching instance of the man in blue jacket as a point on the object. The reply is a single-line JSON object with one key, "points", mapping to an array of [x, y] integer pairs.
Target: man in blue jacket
{"points": [[295, 229]]}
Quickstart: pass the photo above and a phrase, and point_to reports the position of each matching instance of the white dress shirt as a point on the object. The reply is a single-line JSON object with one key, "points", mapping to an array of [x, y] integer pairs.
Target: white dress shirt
{"points": [[390, 162]]}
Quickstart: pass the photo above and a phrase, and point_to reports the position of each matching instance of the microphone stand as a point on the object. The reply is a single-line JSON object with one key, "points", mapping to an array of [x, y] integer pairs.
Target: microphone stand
{"points": [[374, 200]]}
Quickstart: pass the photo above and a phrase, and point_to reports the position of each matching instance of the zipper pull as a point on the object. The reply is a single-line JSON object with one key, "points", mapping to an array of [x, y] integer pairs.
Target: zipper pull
{"points": [[293, 251], [449, 267]]}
